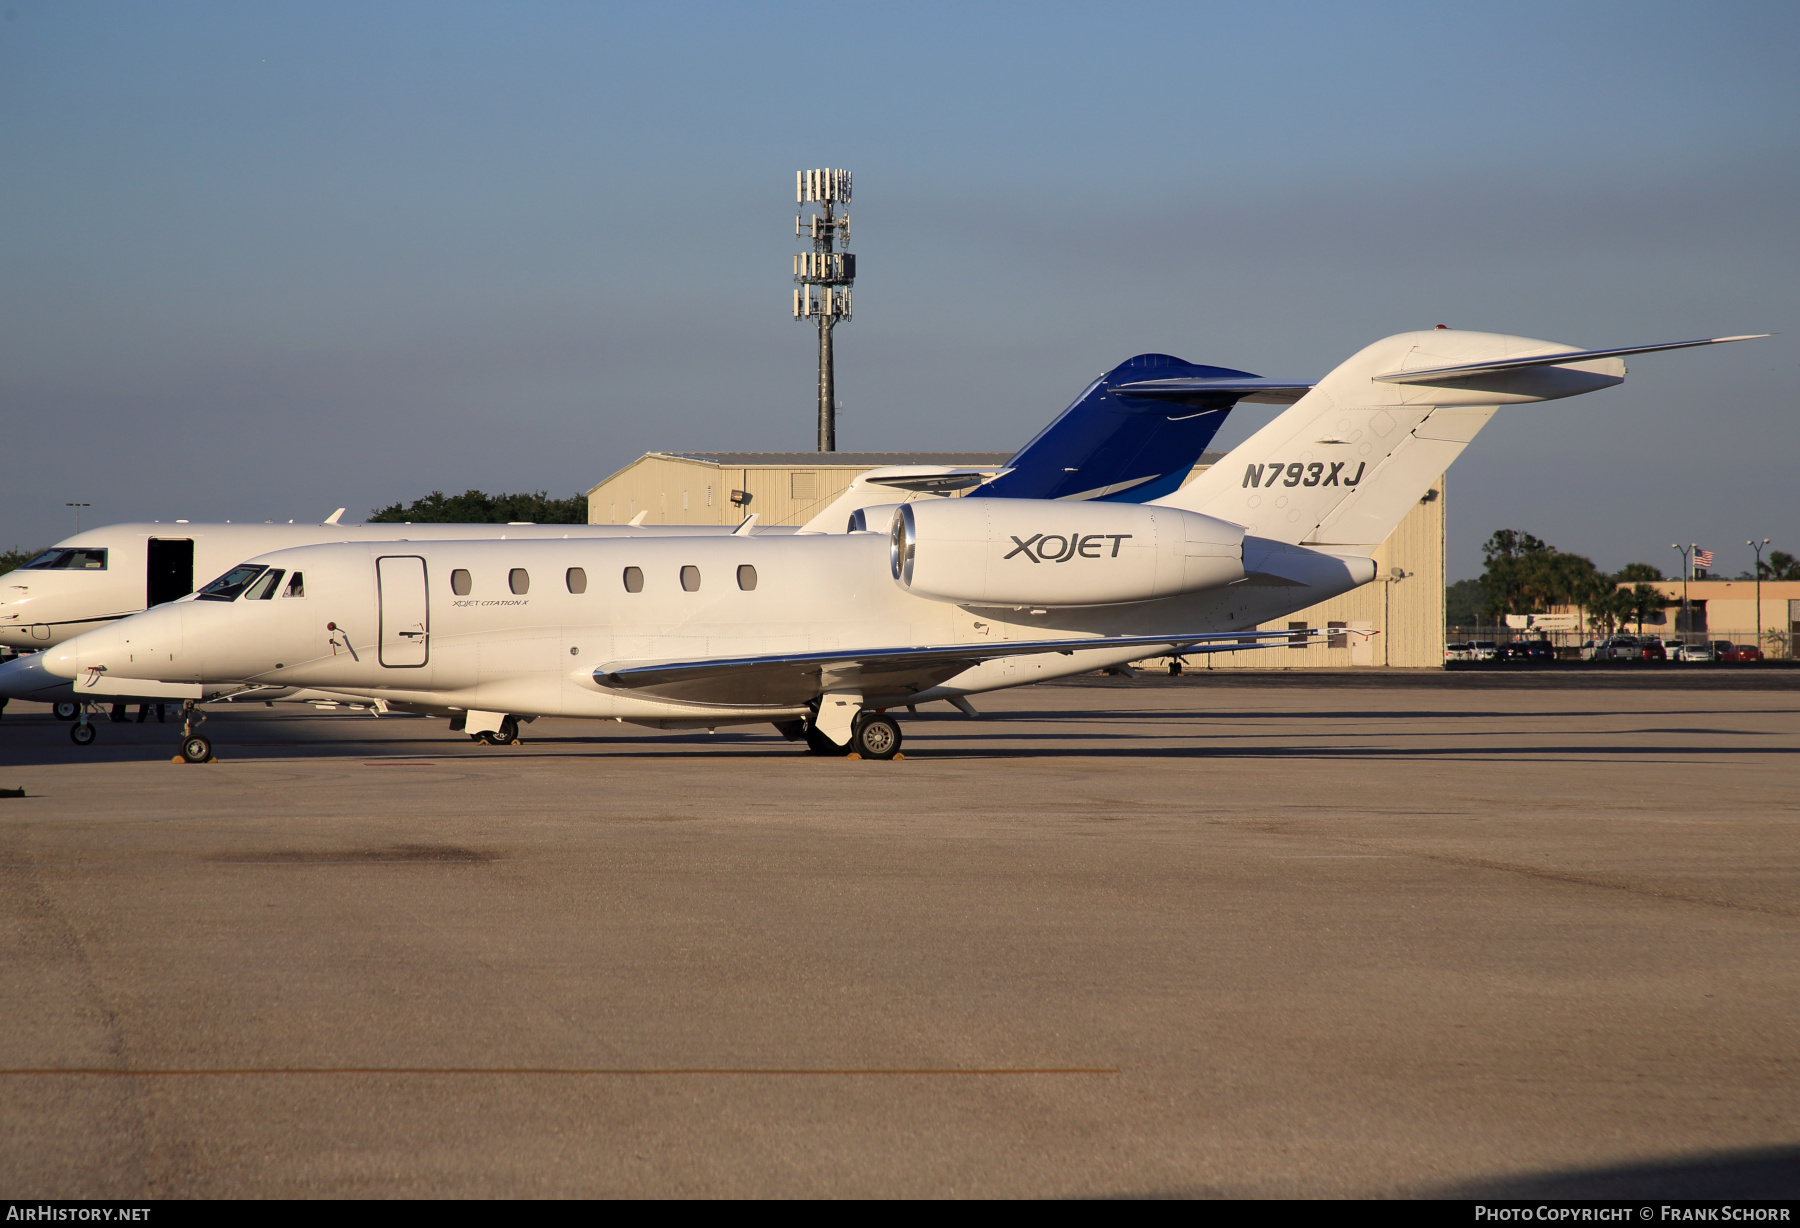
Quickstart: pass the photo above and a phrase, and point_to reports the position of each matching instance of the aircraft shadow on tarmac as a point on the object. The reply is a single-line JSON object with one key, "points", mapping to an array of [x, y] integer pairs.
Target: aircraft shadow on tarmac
{"points": [[1772, 1172]]}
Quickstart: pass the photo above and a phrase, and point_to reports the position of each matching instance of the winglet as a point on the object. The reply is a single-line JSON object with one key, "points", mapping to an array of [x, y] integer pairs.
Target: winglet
{"points": [[743, 530], [637, 521], [333, 518]]}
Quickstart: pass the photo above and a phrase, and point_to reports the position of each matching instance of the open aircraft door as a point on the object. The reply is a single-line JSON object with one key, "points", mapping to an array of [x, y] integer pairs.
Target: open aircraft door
{"points": [[168, 570], [405, 611]]}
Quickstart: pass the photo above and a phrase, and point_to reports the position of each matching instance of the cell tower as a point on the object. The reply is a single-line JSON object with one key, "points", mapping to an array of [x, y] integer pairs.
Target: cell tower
{"points": [[823, 276]]}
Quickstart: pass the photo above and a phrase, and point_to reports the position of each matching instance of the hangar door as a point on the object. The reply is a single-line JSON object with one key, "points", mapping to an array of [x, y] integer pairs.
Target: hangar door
{"points": [[405, 612]]}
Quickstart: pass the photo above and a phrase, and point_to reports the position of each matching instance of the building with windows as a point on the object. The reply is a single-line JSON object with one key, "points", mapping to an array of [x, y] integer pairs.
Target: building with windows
{"points": [[1727, 610], [1402, 611]]}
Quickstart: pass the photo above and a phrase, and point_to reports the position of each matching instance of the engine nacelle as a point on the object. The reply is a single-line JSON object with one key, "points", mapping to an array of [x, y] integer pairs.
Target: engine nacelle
{"points": [[1044, 553]]}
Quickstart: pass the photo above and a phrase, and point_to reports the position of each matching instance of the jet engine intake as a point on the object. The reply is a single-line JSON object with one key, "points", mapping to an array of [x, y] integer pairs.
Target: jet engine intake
{"points": [[1057, 553]]}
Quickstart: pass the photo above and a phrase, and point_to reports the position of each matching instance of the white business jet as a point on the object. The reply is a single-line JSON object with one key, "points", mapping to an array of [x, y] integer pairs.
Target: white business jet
{"points": [[823, 635]]}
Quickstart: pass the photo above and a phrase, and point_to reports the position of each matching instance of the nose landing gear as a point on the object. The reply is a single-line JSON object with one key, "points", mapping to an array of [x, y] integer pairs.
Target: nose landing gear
{"points": [[195, 747]]}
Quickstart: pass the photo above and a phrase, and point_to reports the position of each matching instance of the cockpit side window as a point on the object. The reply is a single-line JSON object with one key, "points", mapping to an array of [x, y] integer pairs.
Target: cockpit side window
{"points": [[264, 588], [66, 559], [228, 586], [296, 586]]}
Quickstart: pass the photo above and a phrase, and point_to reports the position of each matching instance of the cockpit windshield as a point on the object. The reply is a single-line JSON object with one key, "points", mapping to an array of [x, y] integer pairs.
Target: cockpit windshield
{"points": [[264, 588], [228, 586], [67, 559]]}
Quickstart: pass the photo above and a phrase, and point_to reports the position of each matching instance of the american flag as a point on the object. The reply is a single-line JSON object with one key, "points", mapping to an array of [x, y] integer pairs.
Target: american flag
{"points": [[1702, 559]]}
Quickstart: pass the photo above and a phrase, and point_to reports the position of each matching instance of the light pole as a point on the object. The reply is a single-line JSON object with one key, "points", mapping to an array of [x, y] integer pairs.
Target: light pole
{"points": [[1758, 547], [1687, 616], [78, 507]]}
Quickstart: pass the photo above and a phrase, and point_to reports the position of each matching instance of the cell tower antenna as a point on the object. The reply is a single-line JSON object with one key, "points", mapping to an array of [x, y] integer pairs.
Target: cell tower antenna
{"points": [[822, 276]]}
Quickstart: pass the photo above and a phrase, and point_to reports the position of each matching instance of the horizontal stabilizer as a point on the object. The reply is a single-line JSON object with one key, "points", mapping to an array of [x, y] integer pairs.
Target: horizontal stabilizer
{"points": [[1435, 375], [1209, 391], [934, 481]]}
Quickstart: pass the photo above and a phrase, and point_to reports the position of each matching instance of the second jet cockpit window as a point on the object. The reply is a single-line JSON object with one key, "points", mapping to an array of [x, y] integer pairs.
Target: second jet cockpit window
{"points": [[228, 586], [264, 587]]}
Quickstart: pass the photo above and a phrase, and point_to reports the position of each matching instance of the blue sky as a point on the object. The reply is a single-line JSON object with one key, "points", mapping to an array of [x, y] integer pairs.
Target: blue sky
{"points": [[261, 261]]}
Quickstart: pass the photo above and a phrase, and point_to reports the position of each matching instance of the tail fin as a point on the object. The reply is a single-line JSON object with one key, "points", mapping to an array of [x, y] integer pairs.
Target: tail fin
{"points": [[1134, 434], [1342, 467]]}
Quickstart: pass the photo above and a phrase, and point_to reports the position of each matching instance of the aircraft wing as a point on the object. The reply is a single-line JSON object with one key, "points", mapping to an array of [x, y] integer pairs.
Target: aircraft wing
{"points": [[1435, 375], [1210, 391], [890, 674]]}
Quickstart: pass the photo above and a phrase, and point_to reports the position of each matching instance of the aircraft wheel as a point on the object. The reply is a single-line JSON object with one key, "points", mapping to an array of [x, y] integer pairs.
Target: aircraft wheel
{"points": [[196, 748], [819, 744], [83, 734], [876, 737], [67, 710]]}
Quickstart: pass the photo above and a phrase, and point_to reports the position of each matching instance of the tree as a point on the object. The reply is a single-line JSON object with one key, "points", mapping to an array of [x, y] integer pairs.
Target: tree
{"points": [[1637, 573], [478, 507], [1512, 558], [1462, 601], [1780, 565], [16, 558], [1643, 601], [1610, 607]]}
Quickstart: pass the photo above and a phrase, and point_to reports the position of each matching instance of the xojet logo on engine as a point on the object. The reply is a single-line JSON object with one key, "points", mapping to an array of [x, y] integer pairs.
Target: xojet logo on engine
{"points": [[1076, 545]]}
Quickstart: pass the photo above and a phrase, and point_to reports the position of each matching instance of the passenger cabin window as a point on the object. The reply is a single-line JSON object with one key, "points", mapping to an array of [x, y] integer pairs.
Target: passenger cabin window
{"points": [[228, 586], [264, 587], [296, 586], [747, 578], [576, 579], [690, 578], [460, 583], [634, 579], [519, 581], [68, 560]]}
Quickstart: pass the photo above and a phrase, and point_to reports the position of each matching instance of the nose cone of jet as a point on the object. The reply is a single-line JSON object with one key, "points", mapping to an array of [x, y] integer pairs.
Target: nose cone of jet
{"points": [[141, 646]]}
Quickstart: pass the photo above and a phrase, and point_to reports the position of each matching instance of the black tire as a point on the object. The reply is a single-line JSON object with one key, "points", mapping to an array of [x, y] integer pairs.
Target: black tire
{"points": [[83, 734], [67, 710], [819, 744], [876, 737], [196, 748]]}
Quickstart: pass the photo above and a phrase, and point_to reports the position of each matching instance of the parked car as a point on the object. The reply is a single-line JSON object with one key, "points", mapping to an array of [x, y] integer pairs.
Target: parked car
{"points": [[1619, 648], [1698, 654], [1672, 649], [1587, 650], [1457, 652], [1483, 650], [1653, 649], [1529, 650], [1739, 653]]}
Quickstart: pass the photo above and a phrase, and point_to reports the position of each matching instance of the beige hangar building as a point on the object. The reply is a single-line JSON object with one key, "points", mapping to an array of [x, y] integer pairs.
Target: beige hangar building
{"points": [[1404, 607]]}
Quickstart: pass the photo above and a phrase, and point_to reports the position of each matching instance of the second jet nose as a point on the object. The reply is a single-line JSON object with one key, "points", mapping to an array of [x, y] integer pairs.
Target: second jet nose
{"points": [[145, 645]]}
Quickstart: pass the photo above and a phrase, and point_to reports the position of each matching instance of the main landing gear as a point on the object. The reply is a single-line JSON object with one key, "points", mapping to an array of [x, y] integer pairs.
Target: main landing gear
{"points": [[874, 735], [506, 735]]}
